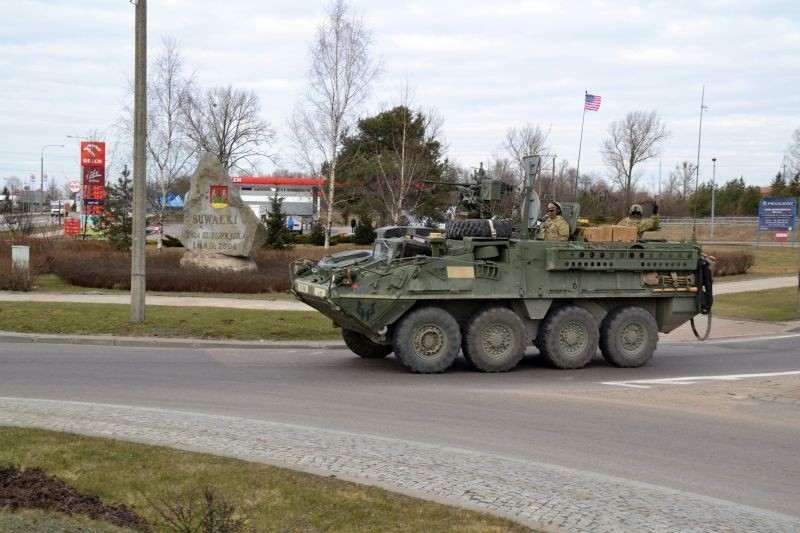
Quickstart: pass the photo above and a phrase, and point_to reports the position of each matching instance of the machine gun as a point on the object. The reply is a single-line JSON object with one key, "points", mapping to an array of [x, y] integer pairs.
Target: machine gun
{"points": [[474, 198]]}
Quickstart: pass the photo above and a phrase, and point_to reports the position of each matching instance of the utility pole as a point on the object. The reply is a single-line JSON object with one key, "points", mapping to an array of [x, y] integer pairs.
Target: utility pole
{"points": [[703, 107], [139, 140]]}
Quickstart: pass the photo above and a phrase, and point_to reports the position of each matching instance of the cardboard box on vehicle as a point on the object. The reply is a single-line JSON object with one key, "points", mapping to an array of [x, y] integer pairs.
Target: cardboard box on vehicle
{"points": [[598, 234], [624, 234]]}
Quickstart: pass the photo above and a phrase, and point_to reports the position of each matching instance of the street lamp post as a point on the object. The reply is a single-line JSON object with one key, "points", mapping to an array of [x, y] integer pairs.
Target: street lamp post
{"points": [[713, 190], [41, 172]]}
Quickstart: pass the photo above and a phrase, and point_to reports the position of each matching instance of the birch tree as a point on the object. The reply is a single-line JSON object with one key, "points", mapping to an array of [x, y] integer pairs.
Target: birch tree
{"points": [[339, 81], [168, 150]]}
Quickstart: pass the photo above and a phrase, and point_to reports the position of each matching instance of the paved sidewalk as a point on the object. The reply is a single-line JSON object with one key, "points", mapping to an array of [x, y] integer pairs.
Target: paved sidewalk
{"points": [[177, 301]]}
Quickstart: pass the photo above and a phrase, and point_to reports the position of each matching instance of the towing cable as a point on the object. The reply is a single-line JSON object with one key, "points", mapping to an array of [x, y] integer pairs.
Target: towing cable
{"points": [[705, 294]]}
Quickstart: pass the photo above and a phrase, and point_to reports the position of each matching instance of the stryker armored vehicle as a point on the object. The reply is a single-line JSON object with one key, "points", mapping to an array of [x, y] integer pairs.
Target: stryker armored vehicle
{"points": [[488, 293]]}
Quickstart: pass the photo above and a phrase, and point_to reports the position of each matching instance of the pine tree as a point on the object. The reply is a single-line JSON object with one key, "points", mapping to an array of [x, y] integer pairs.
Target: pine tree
{"points": [[278, 234], [364, 234], [117, 218]]}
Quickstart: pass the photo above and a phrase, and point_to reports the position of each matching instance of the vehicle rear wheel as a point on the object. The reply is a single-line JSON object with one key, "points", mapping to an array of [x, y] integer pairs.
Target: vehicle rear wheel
{"points": [[628, 336], [568, 337], [494, 340], [363, 347], [427, 340]]}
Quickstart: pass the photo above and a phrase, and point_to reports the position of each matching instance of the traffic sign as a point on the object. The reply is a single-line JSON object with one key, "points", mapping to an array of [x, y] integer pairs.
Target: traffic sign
{"points": [[74, 186]]}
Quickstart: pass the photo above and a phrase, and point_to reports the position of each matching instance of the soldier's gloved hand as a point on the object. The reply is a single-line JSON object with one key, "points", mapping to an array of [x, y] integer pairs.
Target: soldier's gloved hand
{"points": [[655, 208]]}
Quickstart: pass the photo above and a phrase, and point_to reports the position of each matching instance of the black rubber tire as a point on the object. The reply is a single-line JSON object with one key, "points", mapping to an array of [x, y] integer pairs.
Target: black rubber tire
{"points": [[363, 347], [478, 227], [628, 336], [427, 340], [568, 337], [494, 340]]}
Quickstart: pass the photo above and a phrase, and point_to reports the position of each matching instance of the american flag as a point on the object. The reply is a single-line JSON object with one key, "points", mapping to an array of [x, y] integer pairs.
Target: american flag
{"points": [[592, 102]]}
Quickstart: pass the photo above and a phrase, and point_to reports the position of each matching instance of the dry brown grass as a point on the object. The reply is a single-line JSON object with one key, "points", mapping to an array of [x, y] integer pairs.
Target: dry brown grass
{"points": [[722, 233]]}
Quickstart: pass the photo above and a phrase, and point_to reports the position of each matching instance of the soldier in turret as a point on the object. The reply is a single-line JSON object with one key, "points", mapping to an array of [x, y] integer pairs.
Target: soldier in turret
{"points": [[635, 220], [554, 227]]}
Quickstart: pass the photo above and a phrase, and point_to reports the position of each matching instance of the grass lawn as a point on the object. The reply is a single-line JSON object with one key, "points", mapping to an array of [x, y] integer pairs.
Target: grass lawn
{"points": [[163, 321], [772, 305], [149, 479]]}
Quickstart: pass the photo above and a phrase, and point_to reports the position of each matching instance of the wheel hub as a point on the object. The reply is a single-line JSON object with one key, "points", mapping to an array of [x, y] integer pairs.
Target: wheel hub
{"points": [[428, 341], [497, 340], [632, 337], [572, 338]]}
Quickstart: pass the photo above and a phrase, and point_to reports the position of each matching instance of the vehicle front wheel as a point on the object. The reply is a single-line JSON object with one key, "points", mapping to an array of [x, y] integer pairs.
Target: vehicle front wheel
{"points": [[363, 347], [494, 340], [427, 340], [568, 337], [628, 336]]}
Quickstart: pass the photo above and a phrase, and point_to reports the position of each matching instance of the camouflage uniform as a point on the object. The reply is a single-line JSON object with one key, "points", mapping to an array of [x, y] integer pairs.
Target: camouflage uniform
{"points": [[554, 229], [641, 224]]}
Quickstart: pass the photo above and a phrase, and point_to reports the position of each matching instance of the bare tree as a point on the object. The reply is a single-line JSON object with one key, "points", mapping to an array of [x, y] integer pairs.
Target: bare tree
{"points": [[793, 155], [340, 79], [168, 150], [503, 168], [225, 122], [632, 141], [521, 142], [681, 179]]}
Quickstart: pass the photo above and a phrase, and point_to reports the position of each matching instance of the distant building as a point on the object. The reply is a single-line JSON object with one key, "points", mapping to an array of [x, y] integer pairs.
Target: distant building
{"points": [[301, 197]]}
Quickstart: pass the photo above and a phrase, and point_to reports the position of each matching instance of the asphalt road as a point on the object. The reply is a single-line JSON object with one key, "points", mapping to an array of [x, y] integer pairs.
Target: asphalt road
{"points": [[733, 439]]}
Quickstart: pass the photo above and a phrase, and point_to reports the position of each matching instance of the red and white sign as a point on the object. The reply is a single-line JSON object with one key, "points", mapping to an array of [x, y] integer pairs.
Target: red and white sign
{"points": [[74, 186], [780, 236], [93, 153], [72, 226]]}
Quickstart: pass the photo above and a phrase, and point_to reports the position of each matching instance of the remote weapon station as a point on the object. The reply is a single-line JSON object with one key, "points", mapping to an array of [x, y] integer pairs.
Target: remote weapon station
{"points": [[488, 291]]}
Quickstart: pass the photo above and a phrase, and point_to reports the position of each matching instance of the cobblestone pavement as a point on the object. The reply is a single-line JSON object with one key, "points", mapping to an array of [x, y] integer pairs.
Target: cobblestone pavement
{"points": [[538, 495]]}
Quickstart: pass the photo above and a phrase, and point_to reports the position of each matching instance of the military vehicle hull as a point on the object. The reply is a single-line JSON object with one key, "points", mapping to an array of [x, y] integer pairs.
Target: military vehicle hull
{"points": [[428, 298]]}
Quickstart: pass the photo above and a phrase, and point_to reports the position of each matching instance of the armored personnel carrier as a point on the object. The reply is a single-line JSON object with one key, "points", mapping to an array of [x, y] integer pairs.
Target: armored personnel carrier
{"points": [[488, 291]]}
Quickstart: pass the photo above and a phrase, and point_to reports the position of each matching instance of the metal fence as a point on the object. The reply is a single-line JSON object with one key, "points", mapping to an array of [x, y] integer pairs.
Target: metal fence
{"points": [[722, 221]]}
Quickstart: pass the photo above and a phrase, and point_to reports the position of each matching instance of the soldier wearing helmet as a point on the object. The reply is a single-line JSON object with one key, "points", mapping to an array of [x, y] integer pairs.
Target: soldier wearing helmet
{"points": [[634, 219], [554, 227]]}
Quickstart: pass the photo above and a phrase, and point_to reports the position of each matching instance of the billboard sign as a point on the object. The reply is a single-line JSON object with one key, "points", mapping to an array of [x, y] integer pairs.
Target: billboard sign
{"points": [[777, 214], [93, 153]]}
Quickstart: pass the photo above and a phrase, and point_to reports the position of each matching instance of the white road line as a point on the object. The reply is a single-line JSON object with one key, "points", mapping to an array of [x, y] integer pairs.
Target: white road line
{"points": [[754, 339], [646, 383]]}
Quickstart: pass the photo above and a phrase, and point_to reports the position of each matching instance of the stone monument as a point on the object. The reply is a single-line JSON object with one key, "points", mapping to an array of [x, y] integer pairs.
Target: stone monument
{"points": [[219, 230]]}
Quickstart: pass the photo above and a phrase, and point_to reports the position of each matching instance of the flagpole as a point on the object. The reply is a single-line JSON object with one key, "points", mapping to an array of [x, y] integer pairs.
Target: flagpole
{"points": [[580, 144]]}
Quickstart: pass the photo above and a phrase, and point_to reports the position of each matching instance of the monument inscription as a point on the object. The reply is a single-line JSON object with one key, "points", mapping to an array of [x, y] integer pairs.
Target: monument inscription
{"points": [[219, 230]]}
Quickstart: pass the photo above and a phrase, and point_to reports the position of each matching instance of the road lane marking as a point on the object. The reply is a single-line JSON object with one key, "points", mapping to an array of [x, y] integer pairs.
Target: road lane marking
{"points": [[755, 339], [692, 380]]}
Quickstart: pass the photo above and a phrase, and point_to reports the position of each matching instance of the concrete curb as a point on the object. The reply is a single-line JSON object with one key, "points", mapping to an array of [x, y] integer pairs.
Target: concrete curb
{"points": [[157, 342]]}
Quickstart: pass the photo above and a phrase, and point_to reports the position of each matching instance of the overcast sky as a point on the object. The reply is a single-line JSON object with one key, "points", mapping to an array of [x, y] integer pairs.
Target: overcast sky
{"points": [[485, 66]]}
